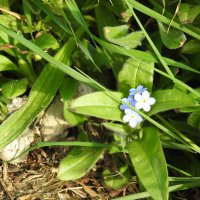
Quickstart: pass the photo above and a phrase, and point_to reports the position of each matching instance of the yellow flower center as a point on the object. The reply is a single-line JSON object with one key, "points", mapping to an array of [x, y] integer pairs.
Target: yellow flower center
{"points": [[132, 116]]}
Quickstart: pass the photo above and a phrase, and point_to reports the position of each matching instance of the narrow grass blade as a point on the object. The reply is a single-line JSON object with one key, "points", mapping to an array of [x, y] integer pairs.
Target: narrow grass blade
{"points": [[76, 144]]}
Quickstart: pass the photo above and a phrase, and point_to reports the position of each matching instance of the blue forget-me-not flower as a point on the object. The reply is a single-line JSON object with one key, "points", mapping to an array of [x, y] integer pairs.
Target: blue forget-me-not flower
{"points": [[140, 89], [132, 117], [144, 101], [139, 98], [130, 100]]}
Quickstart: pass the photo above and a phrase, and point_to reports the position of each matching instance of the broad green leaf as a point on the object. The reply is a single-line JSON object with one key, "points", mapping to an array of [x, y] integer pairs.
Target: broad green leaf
{"points": [[134, 73], [149, 163], [78, 162], [190, 109], [72, 118], [118, 179], [118, 128], [98, 104], [104, 18], [67, 88], [7, 65], [171, 38], [194, 120], [119, 35], [187, 13], [46, 41], [171, 99], [14, 88], [191, 47]]}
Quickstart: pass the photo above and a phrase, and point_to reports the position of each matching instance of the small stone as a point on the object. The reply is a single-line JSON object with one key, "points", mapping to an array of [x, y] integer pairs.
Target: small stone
{"points": [[52, 124], [16, 147]]}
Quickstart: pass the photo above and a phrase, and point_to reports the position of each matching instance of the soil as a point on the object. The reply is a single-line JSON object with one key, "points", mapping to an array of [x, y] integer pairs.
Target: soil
{"points": [[35, 179]]}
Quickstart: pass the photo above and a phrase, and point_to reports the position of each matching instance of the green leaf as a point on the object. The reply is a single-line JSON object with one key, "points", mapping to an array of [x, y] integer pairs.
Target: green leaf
{"points": [[6, 64], [149, 162], [118, 179], [67, 94], [119, 35], [134, 73], [190, 109], [72, 118], [191, 47], [78, 162], [118, 128], [67, 88], [104, 18], [98, 104], [171, 38], [187, 13], [171, 99], [46, 41], [194, 120], [14, 88]]}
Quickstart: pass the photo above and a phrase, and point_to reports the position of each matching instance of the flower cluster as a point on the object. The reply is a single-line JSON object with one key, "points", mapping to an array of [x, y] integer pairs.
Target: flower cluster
{"points": [[139, 98]]}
